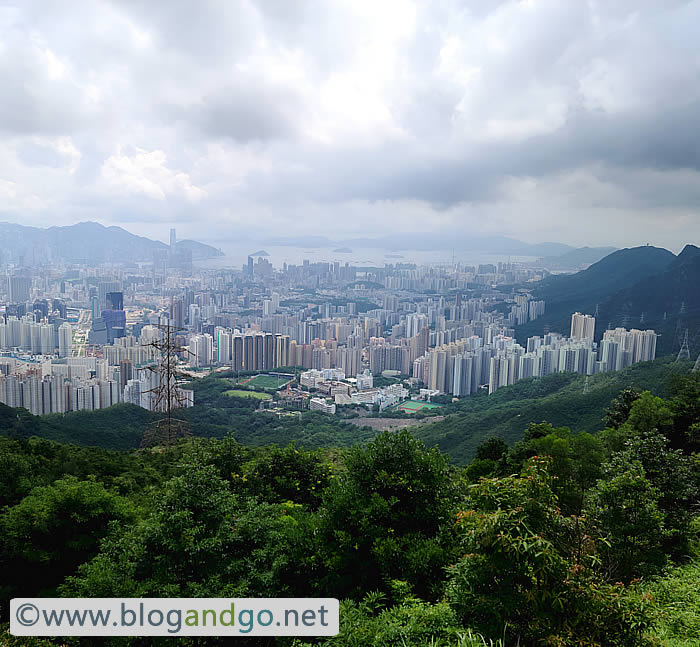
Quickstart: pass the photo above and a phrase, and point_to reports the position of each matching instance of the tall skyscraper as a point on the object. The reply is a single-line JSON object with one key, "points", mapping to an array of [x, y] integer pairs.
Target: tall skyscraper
{"points": [[115, 300], [19, 288], [95, 308], [103, 287], [65, 340], [582, 327]]}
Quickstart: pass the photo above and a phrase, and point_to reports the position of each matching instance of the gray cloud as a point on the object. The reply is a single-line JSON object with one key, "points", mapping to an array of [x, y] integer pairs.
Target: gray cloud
{"points": [[498, 117]]}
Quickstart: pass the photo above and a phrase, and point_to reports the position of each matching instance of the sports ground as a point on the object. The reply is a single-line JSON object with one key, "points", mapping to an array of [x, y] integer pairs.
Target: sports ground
{"points": [[239, 393], [270, 382], [414, 406]]}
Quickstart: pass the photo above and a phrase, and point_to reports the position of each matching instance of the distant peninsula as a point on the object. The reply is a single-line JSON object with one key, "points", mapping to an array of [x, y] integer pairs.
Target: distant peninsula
{"points": [[260, 252], [343, 250]]}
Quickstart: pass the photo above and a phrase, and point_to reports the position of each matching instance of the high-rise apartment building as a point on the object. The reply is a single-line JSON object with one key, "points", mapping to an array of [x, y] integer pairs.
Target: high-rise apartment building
{"points": [[582, 327], [19, 288]]}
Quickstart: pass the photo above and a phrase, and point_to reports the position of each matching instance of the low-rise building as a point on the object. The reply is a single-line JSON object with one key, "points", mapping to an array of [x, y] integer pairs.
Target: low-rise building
{"points": [[322, 405]]}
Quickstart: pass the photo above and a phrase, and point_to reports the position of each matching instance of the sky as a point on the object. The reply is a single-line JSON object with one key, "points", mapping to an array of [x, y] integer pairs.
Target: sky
{"points": [[545, 120]]}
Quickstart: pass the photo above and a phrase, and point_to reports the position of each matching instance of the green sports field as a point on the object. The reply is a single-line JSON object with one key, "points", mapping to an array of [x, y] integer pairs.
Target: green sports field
{"points": [[239, 393], [414, 406], [270, 382]]}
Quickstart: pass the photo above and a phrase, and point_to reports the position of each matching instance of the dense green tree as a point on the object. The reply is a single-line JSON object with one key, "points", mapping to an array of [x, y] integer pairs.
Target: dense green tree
{"points": [[619, 410], [388, 517], [685, 405], [625, 505], [518, 576], [674, 475], [53, 530], [285, 474], [649, 412], [200, 540], [576, 460]]}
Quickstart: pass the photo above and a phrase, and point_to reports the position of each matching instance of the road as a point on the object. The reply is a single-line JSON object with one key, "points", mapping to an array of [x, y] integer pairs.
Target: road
{"points": [[80, 333]]}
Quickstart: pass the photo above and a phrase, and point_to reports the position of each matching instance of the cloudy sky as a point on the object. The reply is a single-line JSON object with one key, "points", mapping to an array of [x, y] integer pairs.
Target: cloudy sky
{"points": [[547, 120]]}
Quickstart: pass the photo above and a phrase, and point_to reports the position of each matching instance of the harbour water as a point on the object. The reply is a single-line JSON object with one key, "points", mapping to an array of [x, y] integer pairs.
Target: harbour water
{"points": [[236, 257]]}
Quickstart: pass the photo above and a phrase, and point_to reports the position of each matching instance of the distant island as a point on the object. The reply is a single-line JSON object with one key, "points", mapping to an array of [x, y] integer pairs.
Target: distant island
{"points": [[260, 252], [343, 250], [393, 256]]}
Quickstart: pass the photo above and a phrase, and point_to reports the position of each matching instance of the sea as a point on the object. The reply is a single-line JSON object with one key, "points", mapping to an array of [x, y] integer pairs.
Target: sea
{"points": [[235, 258]]}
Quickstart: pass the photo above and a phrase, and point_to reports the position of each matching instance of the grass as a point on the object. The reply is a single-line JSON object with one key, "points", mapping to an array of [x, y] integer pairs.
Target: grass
{"points": [[239, 393], [272, 382], [413, 406], [677, 596]]}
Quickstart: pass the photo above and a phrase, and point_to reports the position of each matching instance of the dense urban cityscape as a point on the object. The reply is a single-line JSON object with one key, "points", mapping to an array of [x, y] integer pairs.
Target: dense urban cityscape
{"points": [[81, 337]]}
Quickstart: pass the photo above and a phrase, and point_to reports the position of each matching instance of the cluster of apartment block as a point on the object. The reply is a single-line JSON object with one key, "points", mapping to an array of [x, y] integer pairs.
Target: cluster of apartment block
{"points": [[462, 367], [127, 372]]}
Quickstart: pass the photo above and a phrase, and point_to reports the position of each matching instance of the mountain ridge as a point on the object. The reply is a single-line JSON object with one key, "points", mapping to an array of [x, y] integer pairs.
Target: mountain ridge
{"points": [[640, 287], [87, 241]]}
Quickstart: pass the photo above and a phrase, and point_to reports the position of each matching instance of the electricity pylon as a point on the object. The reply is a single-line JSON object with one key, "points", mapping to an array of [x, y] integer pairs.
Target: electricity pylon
{"points": [[696, 368], [684, 352], [167, 395]]}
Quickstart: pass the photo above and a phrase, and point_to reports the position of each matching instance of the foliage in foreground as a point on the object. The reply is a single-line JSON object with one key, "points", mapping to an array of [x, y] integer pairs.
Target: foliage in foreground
{"points": [[541, 543]]}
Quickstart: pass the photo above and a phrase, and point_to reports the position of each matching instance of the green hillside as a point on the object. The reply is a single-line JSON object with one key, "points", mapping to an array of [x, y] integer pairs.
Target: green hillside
{"points": [[642, 287], [668, 302], [558, 399], [561, 539], [584, 290]]}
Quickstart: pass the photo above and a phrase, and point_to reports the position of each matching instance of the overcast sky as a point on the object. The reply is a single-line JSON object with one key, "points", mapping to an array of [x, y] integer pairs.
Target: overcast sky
{"points": [[547, 120]]}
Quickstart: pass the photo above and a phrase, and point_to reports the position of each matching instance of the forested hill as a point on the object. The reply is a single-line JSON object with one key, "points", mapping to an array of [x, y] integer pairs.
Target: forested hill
{"points": [[584, 290], [88, 242], [668, 302]]}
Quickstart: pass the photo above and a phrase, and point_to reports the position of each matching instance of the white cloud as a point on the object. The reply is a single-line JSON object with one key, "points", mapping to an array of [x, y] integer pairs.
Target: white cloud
{"points": [[146, 173], [501, 116]]}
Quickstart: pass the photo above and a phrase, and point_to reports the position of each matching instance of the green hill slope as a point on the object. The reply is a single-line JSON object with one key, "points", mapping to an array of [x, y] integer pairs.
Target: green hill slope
{"points": [[558, 399], [584, 290], [668, 302]]}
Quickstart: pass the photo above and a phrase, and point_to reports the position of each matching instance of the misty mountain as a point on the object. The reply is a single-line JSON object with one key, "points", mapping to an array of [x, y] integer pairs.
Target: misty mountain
{"points": [[431, 242], [576, 259], [88, 242]]}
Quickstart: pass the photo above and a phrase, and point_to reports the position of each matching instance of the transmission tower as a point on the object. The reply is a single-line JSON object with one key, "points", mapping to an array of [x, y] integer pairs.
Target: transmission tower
{"points": [[166, 396], [597, 311], [696, 368], [641, 318], [585, 386], [684, 352]]}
